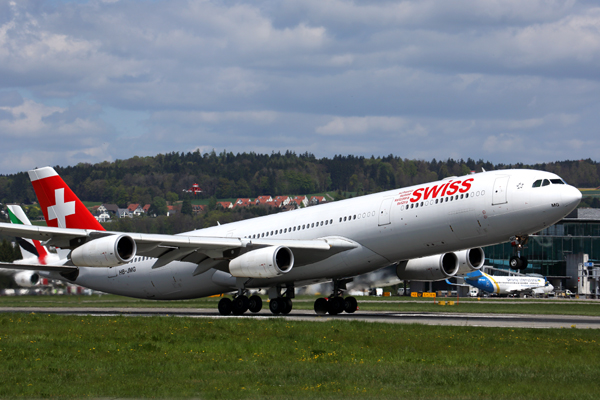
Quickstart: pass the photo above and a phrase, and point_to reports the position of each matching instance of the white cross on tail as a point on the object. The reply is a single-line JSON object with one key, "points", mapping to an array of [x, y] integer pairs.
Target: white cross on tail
{"points": [[61, 209]]}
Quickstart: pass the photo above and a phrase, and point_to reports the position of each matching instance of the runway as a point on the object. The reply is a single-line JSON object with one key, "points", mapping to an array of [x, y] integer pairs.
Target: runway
{"points": [[426, 318]]}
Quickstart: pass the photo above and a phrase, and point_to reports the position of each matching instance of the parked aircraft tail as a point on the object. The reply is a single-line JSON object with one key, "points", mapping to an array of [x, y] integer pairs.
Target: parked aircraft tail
{"points": [[30, 249]]}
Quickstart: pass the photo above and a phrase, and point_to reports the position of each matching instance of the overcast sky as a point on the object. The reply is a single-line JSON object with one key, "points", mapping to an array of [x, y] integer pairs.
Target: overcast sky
{"points": [[506, 81]]}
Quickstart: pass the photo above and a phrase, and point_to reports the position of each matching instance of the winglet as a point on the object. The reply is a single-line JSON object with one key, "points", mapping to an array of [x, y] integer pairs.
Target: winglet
{"points": [[61, 207]]}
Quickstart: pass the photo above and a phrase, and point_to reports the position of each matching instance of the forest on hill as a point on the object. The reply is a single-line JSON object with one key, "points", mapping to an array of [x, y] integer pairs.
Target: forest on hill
{"points": [[228, 175]]}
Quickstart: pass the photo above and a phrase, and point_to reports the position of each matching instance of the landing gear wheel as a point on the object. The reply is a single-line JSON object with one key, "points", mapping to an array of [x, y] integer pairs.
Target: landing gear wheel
{"points": [[335, 305], [255, 304], [225, 306], [287, 305], [277, 305], [350, 305], [321, 306], [524, 262], [240, 305], [515, 262]]}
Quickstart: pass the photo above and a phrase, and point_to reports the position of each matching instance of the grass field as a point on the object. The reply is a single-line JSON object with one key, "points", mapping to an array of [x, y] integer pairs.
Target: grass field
{"points": [[167, 357], [502, 306]]}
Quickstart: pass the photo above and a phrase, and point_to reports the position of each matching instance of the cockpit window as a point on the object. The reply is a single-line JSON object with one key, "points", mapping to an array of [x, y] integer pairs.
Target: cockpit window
{"points": [[546, 182], [557, 181], [537, 183]]}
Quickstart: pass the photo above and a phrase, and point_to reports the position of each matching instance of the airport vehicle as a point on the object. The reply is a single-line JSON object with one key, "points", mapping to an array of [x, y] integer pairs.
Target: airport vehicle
{"points": [[31, 250], [435, 226], [506, 285]]}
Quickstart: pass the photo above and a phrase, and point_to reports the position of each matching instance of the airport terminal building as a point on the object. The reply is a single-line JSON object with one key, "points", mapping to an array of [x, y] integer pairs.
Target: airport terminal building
{"points": [[568, 253]]}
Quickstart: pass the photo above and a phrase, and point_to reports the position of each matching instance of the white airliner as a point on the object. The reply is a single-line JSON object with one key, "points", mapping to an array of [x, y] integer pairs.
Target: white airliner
{"points": [[508, 284], [31, 250], [429, 231]]}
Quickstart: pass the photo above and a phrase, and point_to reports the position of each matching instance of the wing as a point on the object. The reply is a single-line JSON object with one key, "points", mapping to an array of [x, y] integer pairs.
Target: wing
{"points": [[195, 249]]}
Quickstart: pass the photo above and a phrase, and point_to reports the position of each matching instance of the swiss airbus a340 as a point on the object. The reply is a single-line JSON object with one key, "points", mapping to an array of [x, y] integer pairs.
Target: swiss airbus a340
{"points": [[430, 232]]}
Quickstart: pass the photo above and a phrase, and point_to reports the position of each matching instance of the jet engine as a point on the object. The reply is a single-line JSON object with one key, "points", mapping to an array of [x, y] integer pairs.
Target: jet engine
{"points": [[470, 260], [267, 262], [431, 268], [107, 251], [26, 279]]}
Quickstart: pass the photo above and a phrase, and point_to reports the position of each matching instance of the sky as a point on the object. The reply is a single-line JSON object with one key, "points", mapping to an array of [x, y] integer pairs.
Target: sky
{"points": [[504, 81]]}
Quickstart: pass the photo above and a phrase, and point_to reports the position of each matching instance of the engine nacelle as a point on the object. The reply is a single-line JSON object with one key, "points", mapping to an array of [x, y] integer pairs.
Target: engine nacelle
{"points": [[267, 262], [107, 251], [470, 260], [432, 268], [26, 279]]}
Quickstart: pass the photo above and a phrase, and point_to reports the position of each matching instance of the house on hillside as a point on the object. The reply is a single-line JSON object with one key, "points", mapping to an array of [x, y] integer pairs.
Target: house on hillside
{"points": [[225, 204], [301, 201], [172, 210], [242, 203], [264, 201], [111, 209], [198, 208], [195, 189], [317, 200], [281, 201]]}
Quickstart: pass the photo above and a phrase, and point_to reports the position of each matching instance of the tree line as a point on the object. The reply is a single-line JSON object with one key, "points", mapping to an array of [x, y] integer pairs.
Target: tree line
{"points": [[228, 175]]}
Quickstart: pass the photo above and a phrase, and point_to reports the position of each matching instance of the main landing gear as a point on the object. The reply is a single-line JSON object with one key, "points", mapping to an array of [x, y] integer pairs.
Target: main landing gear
{"points": [[240, 304], [336, 304], [517, 261], [281, 303]]}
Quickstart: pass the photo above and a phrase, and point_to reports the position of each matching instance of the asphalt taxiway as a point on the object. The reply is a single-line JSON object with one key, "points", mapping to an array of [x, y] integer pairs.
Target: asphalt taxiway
{"points": [[426, 318]]}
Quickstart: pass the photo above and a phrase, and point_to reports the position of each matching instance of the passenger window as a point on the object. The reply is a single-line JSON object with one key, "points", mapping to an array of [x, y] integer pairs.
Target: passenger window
{"points": [[321, 223], [331, 221], [341, 219], [303, 226], [416, 205], [546, 182], [294, 229], [344, 219], [326, 222], [312, 225], [537, 183], [421, 204]]}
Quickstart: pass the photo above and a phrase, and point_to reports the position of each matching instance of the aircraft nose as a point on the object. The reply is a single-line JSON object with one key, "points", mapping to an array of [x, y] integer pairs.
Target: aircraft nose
{"points": [[571, 196]]}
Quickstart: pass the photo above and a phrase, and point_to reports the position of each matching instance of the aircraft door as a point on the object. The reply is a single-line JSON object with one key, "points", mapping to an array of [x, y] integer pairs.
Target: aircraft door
{"points": [[499, 193], [113, 271], [384, 211]]}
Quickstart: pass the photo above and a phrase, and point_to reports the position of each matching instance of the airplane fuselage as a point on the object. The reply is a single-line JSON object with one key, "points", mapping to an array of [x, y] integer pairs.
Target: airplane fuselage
{"points": [[448, 215], [506, 284]]}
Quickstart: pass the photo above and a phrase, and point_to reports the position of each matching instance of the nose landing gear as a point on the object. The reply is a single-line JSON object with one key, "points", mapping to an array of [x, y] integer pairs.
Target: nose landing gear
{"points": [[517, 261]]}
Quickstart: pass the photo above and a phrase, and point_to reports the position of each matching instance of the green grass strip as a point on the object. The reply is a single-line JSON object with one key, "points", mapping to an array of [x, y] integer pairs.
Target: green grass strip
{"points": [[168, 357]]}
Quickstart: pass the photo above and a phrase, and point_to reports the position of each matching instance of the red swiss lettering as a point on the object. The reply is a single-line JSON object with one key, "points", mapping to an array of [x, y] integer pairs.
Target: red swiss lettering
{"points": [[416, 195], [466, 185], [453, 188], [434, 191]]}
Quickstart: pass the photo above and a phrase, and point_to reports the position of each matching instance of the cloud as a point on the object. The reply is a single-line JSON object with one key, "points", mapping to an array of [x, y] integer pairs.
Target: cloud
{"points": [[417, 78]]}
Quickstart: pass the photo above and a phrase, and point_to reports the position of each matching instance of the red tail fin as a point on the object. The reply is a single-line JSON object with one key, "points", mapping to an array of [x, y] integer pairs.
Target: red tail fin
{"points": [[60, 205]]}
